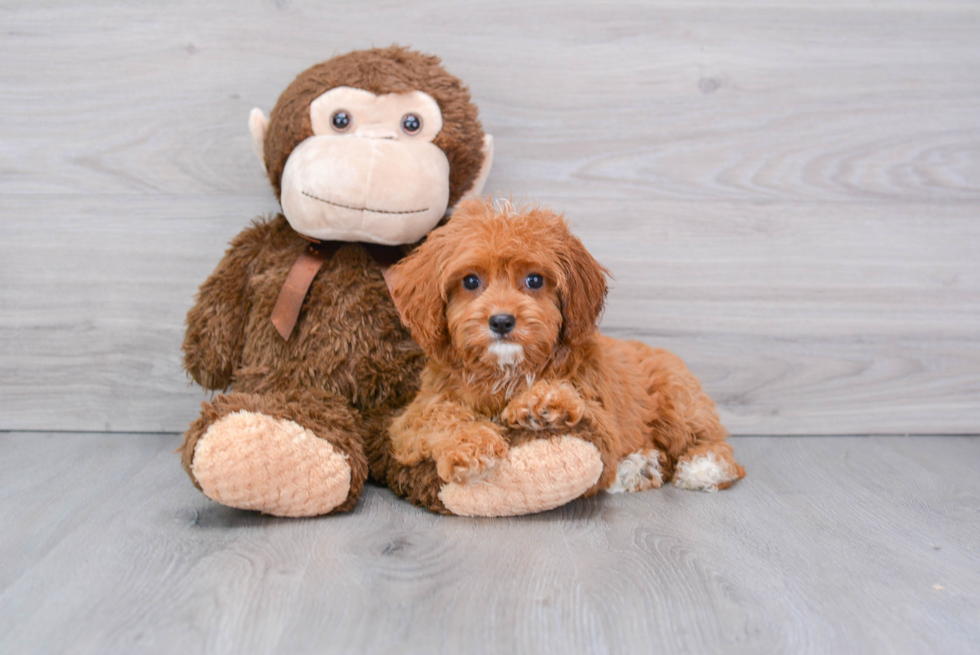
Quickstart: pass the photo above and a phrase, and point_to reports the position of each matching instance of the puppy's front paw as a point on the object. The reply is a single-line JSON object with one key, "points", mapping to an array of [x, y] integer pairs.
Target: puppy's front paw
{"points": [[545, 405], [474, 450]]}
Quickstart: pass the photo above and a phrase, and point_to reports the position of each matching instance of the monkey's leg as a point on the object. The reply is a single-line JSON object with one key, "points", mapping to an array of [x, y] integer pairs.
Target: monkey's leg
{"points": [[539, 473], [286, 454]]}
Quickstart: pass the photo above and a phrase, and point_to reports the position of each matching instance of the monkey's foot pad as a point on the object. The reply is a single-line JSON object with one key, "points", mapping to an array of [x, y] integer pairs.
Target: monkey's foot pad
{"points": [[275, 466], [537, 476]]}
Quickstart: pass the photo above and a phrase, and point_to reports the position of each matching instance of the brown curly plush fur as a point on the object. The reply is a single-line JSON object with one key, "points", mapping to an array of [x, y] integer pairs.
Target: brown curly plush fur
{"points": [[349, 364]]}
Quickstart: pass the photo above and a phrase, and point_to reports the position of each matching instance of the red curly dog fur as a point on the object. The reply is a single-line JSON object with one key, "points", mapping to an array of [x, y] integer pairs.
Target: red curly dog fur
{"points": [[551, 371]]}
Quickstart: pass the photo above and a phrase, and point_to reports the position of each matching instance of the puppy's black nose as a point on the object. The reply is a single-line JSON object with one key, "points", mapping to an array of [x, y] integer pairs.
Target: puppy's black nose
{"points": [[502, 323]]}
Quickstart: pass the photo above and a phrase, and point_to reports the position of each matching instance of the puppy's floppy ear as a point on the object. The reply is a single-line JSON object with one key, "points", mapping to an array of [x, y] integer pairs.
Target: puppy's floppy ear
{"points": [[583, 293], [416, 288]]}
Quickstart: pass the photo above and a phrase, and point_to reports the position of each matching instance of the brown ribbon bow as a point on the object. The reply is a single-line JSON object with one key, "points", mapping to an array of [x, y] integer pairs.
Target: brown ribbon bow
{"points": [[307, 265]]}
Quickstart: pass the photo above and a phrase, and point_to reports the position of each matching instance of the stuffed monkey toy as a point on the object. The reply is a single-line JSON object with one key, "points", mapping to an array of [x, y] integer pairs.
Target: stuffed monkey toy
{"points": [[296, 326]]}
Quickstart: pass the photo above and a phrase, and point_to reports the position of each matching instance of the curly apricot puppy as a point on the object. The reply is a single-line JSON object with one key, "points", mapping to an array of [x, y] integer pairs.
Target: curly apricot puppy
{"points": [[505, 303]]}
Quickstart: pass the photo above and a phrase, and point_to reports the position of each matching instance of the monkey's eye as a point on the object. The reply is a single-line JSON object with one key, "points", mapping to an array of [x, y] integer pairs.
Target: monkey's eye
{"points": [[534, 281], [471, 282], [411, 123], [340, 120]]}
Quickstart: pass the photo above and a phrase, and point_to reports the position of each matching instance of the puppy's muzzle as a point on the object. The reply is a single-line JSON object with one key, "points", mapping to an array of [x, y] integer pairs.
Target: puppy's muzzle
{"points": [[502, 324]]}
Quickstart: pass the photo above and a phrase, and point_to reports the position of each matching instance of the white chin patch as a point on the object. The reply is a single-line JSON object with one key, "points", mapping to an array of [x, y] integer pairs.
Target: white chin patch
{"points": [[507, 354], [638, 472], [702, 473]]}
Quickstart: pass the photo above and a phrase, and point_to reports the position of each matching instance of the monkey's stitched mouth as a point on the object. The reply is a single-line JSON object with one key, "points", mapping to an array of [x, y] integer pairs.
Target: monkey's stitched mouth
{"points": [[368, 209]]}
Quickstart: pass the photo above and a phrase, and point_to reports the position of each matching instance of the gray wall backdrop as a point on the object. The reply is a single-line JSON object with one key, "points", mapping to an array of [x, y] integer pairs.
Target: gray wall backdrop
{"points": [[787, 193]]}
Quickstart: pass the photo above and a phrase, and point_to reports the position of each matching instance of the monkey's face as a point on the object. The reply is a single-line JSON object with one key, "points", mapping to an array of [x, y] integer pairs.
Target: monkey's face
{"points": [[370, 172]]}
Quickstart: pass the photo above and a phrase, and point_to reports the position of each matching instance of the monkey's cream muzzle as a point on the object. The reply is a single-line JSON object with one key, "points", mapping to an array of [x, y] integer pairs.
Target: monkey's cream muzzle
{"points": [[370, 172], [378, 190]]}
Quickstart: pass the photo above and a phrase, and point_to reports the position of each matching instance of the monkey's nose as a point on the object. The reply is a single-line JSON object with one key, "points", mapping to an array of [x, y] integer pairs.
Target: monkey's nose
{"points": [[502, 323]]}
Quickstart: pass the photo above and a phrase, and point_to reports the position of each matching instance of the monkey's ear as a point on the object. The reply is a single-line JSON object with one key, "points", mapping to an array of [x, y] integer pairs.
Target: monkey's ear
{"points": [[258, 125], [583, 293], [416, 288], [481, 177]]}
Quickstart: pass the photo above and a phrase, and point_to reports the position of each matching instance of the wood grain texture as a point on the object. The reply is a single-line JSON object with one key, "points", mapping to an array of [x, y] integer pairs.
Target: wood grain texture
{"points": [[813, 333], [786, 192], [831, 544]]}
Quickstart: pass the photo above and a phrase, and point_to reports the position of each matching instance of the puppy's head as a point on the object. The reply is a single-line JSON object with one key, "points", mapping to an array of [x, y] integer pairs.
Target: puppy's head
{"points": [[499, 287]]}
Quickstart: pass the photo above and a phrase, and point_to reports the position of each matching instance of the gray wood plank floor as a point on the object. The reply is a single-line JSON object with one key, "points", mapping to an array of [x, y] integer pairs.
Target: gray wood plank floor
{"points": [[831, 545], [786, 192]]}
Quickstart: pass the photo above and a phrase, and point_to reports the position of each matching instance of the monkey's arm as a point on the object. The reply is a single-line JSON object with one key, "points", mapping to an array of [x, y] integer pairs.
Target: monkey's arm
{"points": [[213, 337]]}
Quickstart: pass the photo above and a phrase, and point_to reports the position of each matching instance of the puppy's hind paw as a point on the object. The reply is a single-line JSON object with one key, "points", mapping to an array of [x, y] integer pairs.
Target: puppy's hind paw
{"points": [[639, 471], [706, 472], [545, 405]]}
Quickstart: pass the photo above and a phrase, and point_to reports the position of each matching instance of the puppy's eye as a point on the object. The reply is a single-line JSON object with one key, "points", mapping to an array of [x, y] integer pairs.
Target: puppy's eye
{"points": [[534, 281], [411, 123], [471, 282], [340, 120]]}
